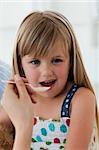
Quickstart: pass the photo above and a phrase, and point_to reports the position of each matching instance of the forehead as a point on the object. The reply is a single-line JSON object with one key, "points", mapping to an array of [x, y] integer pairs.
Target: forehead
{"points": [[59, 48]]}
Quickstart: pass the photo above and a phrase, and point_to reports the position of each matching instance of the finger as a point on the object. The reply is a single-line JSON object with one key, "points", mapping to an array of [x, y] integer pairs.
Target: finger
{"points": [[24, 79], [29, 89], [21, 87], [13, 80]]}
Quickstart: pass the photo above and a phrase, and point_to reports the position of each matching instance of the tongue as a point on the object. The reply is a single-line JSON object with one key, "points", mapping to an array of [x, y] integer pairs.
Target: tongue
{"points": [[47, 84]]}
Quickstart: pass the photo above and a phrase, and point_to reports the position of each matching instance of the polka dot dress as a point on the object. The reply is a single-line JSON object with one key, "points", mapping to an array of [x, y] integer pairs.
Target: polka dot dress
{"points": [[52, 134]]}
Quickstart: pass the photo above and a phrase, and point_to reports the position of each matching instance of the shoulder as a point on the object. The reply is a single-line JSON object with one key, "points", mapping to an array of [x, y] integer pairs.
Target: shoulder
{"points": [[83, 106], [84, 97], [84, 91]]}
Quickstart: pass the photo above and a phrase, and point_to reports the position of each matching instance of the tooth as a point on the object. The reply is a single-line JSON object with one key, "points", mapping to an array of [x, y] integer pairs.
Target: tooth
{"points": [[48, 81]]}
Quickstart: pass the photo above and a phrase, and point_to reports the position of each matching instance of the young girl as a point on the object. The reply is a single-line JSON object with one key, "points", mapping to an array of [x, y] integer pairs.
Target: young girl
{"points": [[47, 54]]}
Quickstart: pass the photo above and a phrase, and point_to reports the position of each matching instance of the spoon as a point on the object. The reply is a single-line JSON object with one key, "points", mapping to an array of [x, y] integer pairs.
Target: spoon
{"points": [[36, 89]]}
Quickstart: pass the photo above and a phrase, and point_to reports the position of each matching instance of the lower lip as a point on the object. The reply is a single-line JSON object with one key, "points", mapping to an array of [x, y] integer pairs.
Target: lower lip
{"points": [[51, 86]]}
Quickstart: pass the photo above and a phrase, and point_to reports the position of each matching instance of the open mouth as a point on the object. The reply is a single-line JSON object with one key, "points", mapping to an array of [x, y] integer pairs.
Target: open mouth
{"points": [[48, 83]]}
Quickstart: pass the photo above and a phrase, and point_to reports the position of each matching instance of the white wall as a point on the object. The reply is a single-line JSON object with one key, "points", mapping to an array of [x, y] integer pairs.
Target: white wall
{"points": [[11, 15], [82, 15]]}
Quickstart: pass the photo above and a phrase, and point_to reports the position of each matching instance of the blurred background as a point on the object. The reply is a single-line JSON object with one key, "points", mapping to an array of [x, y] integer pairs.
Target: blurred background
{"points": [[83, 15]]}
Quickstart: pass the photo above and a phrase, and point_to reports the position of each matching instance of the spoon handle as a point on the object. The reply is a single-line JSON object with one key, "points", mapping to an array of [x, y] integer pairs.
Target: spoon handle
{"points": [[36, 89]]}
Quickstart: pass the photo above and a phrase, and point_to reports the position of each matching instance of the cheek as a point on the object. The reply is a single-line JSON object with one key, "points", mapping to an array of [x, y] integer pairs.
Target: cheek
{"points": [[32, 75], [62, 73]]}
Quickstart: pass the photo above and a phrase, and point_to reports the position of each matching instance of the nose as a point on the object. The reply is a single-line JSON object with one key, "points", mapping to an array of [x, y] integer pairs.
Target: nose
{"points": [[47, 70]]}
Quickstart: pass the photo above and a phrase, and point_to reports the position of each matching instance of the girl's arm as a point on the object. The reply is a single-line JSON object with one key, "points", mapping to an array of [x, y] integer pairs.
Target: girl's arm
{"points": [[7, 134], [19, 108], [82, 118], [23, 138]]}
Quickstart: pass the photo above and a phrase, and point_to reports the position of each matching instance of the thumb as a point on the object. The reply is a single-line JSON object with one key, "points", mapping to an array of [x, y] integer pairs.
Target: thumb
{"points": [[22, 91]]}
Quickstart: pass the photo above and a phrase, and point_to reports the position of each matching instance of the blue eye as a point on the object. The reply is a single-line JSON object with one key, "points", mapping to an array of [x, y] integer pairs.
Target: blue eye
{"points": [[35, 62], [57, 61]]}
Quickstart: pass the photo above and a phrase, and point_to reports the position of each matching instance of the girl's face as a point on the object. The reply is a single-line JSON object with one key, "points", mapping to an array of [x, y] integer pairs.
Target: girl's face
{"points": [[48, 71]]}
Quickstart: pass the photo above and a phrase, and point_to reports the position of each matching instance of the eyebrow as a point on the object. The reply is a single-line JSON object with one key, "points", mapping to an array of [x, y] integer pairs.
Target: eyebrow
{"points": [[58, 56]]}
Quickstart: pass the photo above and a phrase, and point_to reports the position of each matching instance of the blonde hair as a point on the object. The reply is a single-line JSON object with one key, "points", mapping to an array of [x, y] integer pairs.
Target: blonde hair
{"points": [[37, 34]]}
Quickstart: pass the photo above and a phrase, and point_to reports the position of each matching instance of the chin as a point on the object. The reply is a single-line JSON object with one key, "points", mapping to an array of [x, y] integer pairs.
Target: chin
{"points": [[47, 95], [50, 95]]}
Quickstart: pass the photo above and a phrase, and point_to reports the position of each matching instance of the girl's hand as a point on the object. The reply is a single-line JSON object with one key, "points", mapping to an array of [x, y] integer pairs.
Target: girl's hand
{"points": [[18, 105]]}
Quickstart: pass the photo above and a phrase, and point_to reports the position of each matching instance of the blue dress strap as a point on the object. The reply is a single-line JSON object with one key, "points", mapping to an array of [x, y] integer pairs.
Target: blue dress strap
{"points": [[67, 101]]}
